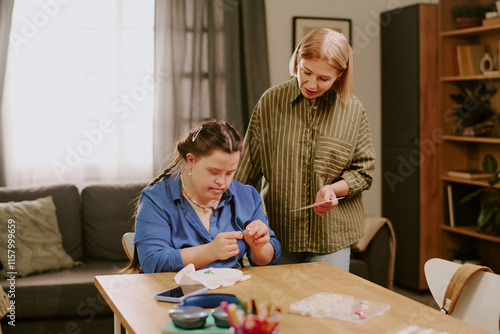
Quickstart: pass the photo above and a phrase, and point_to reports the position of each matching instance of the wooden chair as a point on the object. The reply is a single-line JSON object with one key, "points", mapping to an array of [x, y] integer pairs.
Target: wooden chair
{"points": [[472, 292], [128, 244]]}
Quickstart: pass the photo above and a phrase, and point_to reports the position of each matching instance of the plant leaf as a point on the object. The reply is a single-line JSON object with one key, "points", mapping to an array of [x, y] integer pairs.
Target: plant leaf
{"points": [[490, 164], [462, 89], [470, 196], [490, 197], [484, 216]]}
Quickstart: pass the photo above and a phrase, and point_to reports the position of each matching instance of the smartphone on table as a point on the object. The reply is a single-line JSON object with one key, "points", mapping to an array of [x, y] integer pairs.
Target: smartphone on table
{"points": [[177, 294]]}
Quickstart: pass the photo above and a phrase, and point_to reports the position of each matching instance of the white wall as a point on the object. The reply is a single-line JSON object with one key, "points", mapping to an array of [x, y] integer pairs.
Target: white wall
{"points": [[366, 44]]}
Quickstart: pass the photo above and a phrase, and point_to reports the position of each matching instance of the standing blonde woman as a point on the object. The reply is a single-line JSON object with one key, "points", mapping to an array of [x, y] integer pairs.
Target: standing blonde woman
{"points": [[310, 140], [195, 213]]}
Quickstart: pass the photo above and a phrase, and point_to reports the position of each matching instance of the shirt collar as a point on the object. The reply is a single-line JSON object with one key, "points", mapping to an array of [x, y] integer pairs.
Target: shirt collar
{"points": [[175, 186]]}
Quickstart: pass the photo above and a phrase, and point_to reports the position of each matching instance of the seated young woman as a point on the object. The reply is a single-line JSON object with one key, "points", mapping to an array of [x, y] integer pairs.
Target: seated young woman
{"points": [[194, 212]]}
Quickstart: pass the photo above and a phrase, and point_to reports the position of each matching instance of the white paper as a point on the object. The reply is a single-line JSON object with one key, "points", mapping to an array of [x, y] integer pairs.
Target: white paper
{"points": [[212, 278]]}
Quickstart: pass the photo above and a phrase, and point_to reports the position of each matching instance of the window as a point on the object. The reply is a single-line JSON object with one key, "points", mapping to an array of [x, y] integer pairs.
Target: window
{"points": [[78, 96]]}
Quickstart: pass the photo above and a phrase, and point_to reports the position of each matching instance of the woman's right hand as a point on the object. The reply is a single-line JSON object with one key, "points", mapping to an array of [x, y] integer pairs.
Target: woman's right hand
{"points": [[225, 244]]}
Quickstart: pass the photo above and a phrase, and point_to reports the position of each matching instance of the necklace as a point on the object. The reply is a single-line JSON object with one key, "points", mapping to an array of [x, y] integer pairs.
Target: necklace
{"points": [[204, 207]]}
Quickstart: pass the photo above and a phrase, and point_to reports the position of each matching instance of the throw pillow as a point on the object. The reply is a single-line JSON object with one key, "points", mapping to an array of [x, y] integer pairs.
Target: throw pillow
{"points": [[31, 230]]}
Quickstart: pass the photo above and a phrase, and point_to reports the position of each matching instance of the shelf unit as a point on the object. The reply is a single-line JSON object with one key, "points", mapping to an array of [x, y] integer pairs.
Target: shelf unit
{"points": [[458, 152], [471, 231]]}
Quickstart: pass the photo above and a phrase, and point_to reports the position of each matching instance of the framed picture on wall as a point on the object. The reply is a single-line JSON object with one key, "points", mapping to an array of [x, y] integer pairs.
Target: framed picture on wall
{"points": [[304, 25]]}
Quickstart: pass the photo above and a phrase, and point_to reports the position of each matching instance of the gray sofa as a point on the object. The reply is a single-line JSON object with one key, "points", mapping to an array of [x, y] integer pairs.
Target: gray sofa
{"points": [[92, 222]]}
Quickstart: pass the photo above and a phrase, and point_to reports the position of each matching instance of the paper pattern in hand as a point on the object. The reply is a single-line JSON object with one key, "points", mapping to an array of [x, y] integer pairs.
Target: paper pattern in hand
{"points": [[212, 278]]}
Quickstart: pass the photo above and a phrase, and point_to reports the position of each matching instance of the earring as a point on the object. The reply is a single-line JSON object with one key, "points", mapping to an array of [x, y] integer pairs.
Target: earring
{"points": [[189, 173]]}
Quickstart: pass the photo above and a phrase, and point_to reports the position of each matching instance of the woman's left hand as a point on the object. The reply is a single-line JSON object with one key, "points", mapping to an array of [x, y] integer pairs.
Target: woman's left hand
{"points": [[325, 194], [256, 234]]}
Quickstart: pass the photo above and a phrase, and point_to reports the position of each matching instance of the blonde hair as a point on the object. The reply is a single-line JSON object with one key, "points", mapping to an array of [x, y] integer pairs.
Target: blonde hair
{"points": [[332, 47]]}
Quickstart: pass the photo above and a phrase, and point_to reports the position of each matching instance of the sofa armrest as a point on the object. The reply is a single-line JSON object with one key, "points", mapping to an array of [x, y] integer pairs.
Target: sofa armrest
{"points": [[378, 257]]}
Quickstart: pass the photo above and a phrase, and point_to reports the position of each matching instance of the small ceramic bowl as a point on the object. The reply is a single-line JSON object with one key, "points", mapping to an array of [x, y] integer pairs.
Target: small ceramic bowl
{"points": [[220, 317], [189, 317]]}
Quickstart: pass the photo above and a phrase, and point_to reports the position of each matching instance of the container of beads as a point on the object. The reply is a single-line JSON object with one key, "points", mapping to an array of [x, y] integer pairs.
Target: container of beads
{"points": [[338, 306]]}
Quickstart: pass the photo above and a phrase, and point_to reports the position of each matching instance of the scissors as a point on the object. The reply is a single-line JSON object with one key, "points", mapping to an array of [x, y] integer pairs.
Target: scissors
{"points": [[317, 204]]}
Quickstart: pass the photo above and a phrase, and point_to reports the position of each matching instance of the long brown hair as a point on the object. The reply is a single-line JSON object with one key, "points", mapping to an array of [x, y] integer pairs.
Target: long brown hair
{"points": [[201, 141]]}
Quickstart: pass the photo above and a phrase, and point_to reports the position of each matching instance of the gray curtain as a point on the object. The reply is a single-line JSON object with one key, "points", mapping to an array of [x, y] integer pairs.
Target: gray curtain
{"points": [[210, 62], [246, 59], [6, 7]]}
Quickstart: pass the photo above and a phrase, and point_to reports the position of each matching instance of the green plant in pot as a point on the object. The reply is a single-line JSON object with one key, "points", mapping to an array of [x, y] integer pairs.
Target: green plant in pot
{"points": [[465, 253], [467, 16], [489, 216], [473, 110]]}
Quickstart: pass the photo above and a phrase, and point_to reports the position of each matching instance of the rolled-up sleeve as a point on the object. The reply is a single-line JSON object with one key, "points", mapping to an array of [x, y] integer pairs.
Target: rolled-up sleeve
{"points": [[259, 215]]}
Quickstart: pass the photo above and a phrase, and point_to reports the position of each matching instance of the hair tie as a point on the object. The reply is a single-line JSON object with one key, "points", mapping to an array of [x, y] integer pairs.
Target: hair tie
{"points": [[196, 134]]}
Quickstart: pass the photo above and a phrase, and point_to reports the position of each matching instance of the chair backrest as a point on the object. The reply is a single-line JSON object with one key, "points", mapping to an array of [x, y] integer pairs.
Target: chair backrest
{"points": [[128, 244], [477, 303]]}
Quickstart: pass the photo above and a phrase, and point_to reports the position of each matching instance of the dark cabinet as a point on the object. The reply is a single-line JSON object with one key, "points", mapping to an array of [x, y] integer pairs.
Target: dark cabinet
{"points": [[410, 135]]}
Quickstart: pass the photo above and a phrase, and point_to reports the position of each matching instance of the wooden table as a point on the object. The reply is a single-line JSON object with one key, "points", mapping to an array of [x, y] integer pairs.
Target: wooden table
{"points": [[131, 297]]}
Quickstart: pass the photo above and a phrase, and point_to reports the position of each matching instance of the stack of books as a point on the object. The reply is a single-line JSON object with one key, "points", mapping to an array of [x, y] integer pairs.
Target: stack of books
{"points": [[491, 21], [468, 58], [470, 174]]}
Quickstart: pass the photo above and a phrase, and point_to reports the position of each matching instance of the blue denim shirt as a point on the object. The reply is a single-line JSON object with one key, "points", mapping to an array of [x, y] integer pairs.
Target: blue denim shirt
{"points": [[166, 222]]}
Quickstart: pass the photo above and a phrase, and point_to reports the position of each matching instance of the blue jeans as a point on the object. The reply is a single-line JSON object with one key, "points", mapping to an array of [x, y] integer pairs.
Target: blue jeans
{"points": [[339, 259]]}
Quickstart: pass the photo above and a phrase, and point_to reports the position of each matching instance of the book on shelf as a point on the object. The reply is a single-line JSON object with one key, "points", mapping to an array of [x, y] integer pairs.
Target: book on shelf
{"points": [[462, 213], [468, 59], [469, 174], [492, 21]]}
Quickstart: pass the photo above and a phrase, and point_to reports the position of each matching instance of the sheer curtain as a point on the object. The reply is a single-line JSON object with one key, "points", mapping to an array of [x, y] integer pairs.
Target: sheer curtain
{"points": [[210, 62], [5, 20], [79, 89]]}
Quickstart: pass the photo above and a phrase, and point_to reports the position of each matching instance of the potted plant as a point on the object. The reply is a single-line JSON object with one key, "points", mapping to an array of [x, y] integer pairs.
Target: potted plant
{"points": [[466, 253], [489, 216], [473, 111], [467, 16]]}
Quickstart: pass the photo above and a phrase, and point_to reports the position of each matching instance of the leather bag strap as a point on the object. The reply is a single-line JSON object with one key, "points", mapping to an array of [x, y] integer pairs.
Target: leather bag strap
{"points": [[457, 283]]}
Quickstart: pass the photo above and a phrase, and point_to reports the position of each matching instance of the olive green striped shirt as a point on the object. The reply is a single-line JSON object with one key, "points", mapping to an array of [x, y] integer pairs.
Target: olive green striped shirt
{"points": [[299, 146]]}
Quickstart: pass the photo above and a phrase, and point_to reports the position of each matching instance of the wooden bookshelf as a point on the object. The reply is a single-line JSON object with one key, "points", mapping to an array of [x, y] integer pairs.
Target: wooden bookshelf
{"points": [[460, 152], [471, 231], [465, 181], [455, 78], [485, 140], [475, 31]]}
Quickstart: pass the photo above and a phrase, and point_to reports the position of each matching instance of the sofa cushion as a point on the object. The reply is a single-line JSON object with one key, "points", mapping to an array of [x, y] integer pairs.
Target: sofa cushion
{"points": [[34, 243], [108, 214], [67, 292], [67, 201]]}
